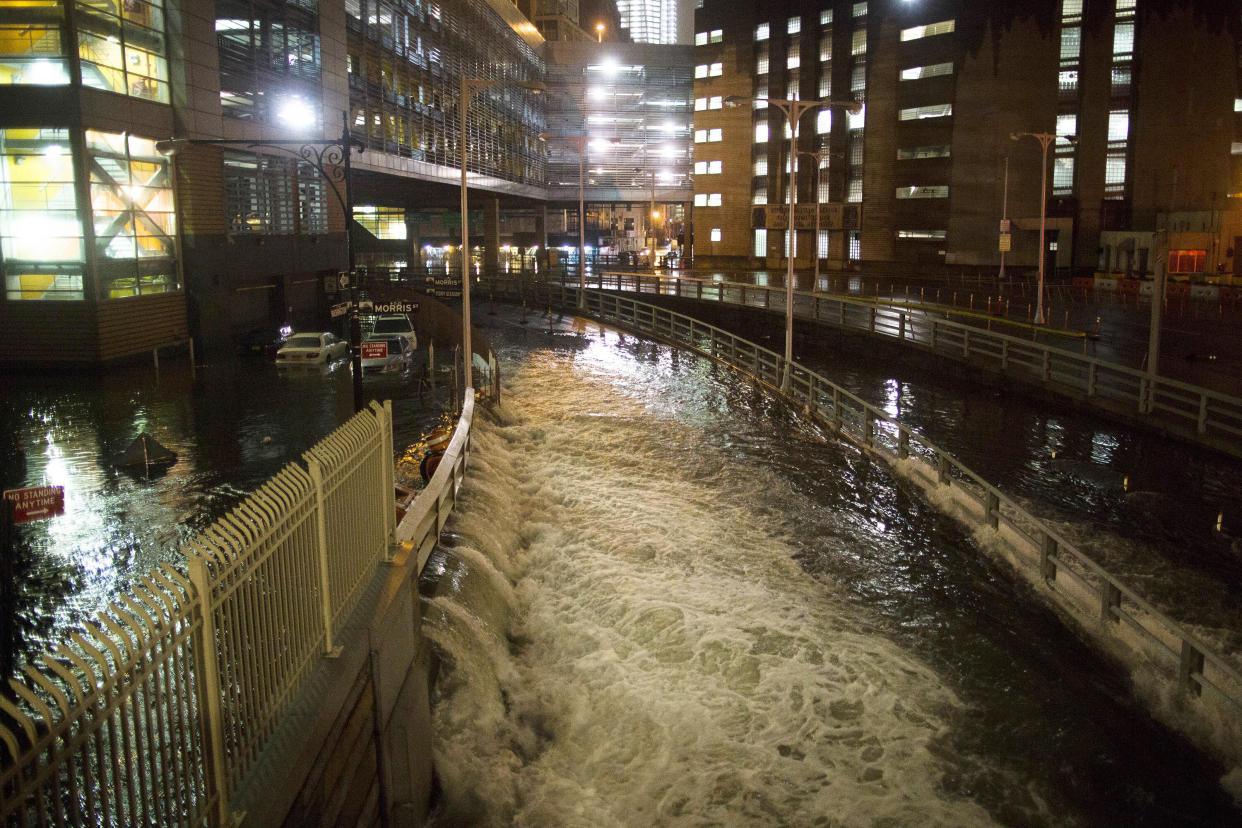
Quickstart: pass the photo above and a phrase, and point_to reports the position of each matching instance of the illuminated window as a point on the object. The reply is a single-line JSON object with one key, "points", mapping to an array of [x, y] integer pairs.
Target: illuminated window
{"points": [[1187, 261], [761, 242], [716, 70], [269, 55], [713, 200], [914, 153], [825, 48], [715, 234], [916, 191], [858, 44], [1067, 126], [1123, 39], [700, 104], [716, 36], [714, 167], [700, 38], [759, 197], [715, 102], [1118, 125], [121, 47], [922, 234], [930, 71], [794, 25], [700, 71], [132, 207], [761, 133], [41, 241], [32, 45], [1071, 43], [269, 195], [700, 199], [761, 32], [700, 167], [825, 17], [793, 60], [823, 121], [929, 30], [700, 136], [714, 135], [917, 113], [383, 222]]}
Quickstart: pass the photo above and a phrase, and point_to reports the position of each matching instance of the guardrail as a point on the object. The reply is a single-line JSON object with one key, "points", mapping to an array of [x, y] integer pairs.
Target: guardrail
{"points": [[1203, 682], [1198, 413], [155, 714]]}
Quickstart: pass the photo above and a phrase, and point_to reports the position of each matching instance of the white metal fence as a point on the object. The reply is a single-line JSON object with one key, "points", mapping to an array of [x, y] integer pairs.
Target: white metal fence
{"points": [[1196, 412], [155, 714], [1190, 682]]}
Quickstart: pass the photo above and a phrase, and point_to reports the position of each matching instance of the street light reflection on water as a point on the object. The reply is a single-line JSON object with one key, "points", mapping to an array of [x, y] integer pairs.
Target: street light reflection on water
{"points": [[233, 426]]}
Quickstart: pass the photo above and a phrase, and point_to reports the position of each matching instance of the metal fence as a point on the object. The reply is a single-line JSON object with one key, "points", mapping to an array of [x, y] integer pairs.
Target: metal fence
{"points": [[1198, 413], [155, 714], [1202, 682]]}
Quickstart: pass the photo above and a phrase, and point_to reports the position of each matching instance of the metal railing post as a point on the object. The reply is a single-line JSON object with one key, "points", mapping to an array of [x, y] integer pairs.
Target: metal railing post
{"points": [[321, 542], [209, 695]]}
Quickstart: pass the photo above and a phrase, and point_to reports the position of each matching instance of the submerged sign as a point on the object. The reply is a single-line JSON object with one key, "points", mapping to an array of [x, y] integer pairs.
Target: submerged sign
{"points": [[36, 503]]}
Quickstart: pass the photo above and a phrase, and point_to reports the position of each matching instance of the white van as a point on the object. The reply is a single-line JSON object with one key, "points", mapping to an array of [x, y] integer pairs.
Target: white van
{"points": [[396, 324]]}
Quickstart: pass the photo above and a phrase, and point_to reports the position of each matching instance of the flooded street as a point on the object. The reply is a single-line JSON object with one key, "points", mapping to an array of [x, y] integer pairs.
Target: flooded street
{"points": [[233, 424]]}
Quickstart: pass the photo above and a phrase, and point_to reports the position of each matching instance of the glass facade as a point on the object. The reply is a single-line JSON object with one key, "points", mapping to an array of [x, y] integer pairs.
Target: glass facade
{"points": [[41, 240], [272, 195], [121, 47], [32, 43], [269, 59], [406, 62]]}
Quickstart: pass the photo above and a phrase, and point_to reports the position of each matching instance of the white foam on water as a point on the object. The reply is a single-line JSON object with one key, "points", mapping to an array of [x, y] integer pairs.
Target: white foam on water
{"points": [[672, 663]]}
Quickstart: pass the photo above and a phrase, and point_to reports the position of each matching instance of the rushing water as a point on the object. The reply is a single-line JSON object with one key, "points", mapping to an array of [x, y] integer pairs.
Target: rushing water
{"points": [[233, 423], [667, 601]]}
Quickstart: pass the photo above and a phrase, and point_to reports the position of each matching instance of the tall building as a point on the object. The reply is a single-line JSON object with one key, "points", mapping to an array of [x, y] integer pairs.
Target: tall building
{"points": [[1143, 143], [619, 117], [167, 168], [649, 21]]}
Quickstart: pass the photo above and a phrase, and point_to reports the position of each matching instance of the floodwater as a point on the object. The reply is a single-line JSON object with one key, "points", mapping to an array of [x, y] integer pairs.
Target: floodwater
{"points": [[233, 424], [665, 600]]}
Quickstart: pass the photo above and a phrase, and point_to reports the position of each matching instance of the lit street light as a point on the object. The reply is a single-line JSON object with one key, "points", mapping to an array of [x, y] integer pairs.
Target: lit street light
{"points": [[469, 87], [793, 111], [599, 32], [1045, 139]]}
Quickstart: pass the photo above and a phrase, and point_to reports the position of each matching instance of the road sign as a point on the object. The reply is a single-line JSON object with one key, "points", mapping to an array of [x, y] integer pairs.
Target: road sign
{"points": [[1006, 241], [344, 281], [832, 216], [396, 306], [374, 350], [36, 503], [338, 310]]}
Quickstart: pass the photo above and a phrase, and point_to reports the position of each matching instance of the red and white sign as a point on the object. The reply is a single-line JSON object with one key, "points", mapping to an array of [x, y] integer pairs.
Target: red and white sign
{"points": [[374, 350], [36, 503]]}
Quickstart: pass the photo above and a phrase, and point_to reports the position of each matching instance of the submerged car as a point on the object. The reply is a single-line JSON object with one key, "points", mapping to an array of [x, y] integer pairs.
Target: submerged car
{"points": [[386, 353], [312, 349], [262, 341], [396, 324]]}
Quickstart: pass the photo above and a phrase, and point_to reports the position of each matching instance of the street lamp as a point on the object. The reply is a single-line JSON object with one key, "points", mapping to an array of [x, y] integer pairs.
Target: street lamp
{"points": [[1045, 139], [469, 87], [581, 142], [793, 111], [599, 32], [330, 158]]}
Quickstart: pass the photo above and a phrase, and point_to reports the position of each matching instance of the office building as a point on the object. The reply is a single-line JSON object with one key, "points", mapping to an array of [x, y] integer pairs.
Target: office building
{"points": [[1136, 100]]}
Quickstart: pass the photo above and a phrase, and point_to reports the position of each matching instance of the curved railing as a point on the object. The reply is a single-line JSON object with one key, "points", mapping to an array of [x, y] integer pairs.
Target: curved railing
{"points": [[1200, 414], [1164, 655]]}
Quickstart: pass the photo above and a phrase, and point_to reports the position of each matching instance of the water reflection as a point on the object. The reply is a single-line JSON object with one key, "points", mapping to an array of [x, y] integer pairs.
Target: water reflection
{"points": [[233, 425]]}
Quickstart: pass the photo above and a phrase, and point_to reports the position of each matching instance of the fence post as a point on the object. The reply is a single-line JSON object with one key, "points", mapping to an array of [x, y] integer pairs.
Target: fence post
{"points": [[933, 334], [1110, 599], [1091, 380], [1047, 551], [942, 468], [388, 495], [1191, 664], [321, 541], [991, 509], [903, 443], [208, 686], [836, 409], [1203, 413], [901, 325]]}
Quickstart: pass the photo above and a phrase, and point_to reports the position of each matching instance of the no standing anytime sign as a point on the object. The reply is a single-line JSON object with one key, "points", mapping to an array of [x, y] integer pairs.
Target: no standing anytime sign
{"points": [[36, 503]]}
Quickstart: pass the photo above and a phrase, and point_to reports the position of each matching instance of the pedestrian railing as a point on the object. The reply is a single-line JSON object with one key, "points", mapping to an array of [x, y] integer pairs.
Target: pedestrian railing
{"points": [[1198, 413], [156, 712], [1164, 654]]}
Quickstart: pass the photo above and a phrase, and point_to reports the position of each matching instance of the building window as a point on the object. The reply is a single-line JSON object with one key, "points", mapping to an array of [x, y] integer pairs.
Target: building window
{"points": [[761, 32], [700, 38], [759, 196], [700, 199], [32, 44], [793, 60], [1071, 44], [914, 153], [761, 133], [761, 242], [700, 104], [922, 234], [714, 135], [932, 70], [700, 71], [132, 208], [715, 102], [700, 136], [825, 17], [825, 48], [41, 242], [1187, 261], [713, 200], [716, 70], [268, 195], [714, 167], [860, 9], [923, 191], [1067, 126], [929, 30], [269, 58], [761, 60], [794, 25], [700, 167], [121, 47], [715, 234], [1118, 125], [716, 36], [1063, 175], [1123, 40], [382, 222], [858, 43], [918, 113]]}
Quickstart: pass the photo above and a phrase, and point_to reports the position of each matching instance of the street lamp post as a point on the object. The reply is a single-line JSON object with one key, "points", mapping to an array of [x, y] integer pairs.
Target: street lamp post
{"points": [[819, 156], [793, 111], [581, 142], [470, 87], [330, 158], [1045, 139]]}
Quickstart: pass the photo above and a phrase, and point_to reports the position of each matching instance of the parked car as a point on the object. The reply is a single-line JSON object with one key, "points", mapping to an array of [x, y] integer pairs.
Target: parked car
{"points": [[312, 349], [396, 324], [386, 353], [262, 341]]}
